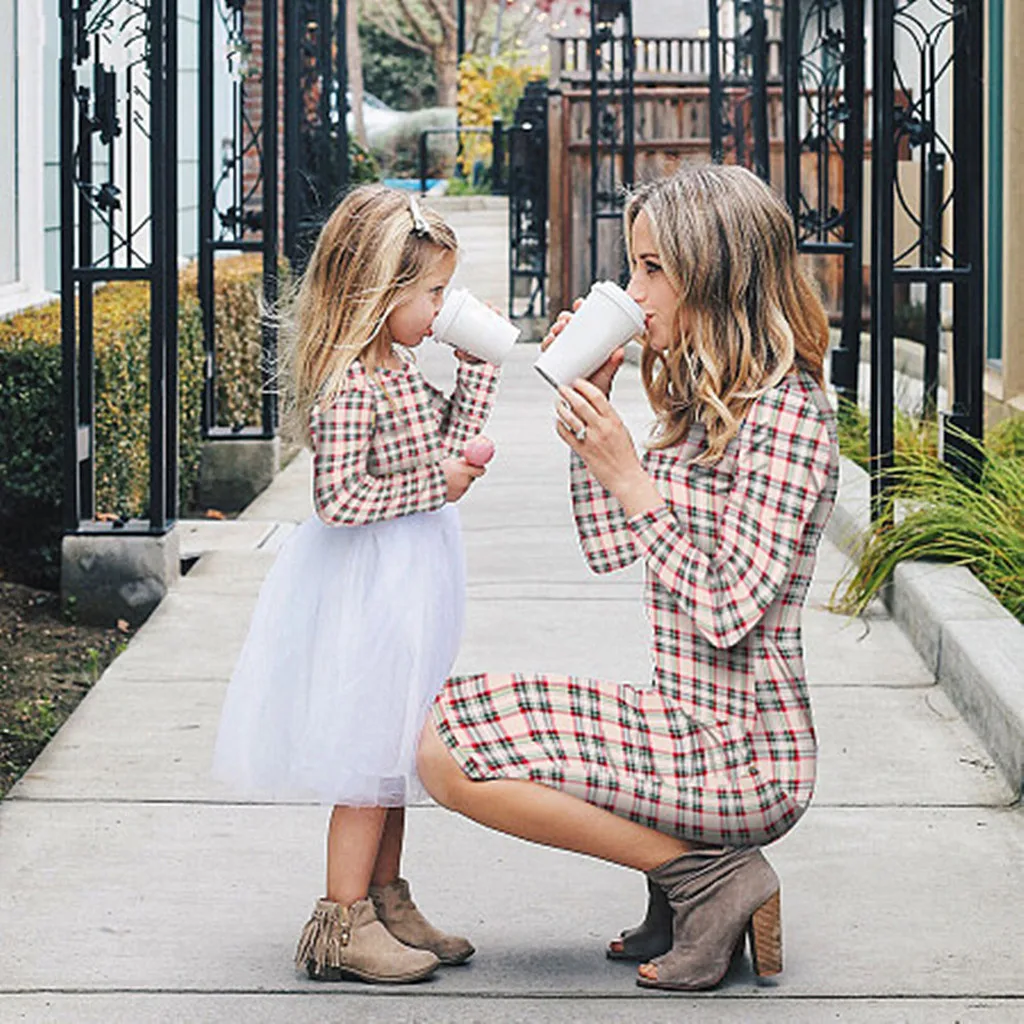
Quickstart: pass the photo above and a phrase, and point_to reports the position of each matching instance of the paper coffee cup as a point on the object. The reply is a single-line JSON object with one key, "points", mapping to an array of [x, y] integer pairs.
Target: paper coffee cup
{"points": [[606, 320], [467, 323]]}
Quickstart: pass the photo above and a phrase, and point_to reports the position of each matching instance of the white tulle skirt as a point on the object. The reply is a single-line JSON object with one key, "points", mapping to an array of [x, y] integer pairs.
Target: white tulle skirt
{"points": [[354, 633]]}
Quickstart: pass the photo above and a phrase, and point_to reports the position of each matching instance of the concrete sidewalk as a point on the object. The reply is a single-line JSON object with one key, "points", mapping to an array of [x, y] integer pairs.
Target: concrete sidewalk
{"points": [[134, 889]]}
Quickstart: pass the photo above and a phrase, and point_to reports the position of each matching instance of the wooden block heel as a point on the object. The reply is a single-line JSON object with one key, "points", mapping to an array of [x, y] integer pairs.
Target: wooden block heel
{"points": [[765, 932]]}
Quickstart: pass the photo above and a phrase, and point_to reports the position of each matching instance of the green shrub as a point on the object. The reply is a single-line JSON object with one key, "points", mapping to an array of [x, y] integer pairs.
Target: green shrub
{"points": [[31, 427], [935, 513]]}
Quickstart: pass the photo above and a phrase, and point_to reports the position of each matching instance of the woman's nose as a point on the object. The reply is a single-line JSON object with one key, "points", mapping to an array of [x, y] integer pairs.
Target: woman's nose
{"points": [[634, 290]]}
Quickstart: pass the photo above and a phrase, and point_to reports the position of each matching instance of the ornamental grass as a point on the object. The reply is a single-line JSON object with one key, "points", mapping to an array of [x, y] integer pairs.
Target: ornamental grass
{"points": [[936, 513]]}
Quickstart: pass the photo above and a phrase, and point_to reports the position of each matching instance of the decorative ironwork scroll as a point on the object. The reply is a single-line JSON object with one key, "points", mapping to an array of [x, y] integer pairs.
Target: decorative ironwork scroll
{"points": [[738, 84], [824, 105], [238, 200], [316, 135], [528, 201], [611, 60], [928, 96], [118, 160]]}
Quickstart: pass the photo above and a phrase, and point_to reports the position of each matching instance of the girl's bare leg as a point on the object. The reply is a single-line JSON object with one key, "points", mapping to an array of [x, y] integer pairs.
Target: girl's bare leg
{"points": [[389, 855], [541, 814], [353, 842]]}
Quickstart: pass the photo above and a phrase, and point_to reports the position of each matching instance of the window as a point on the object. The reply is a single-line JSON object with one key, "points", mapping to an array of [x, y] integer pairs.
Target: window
{"points": [[23, 124], [9, 270]]}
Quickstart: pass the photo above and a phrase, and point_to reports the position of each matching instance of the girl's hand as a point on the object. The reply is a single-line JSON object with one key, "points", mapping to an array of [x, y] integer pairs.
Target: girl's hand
{"points": [[603, 376], [459, 474], [589, 425]]}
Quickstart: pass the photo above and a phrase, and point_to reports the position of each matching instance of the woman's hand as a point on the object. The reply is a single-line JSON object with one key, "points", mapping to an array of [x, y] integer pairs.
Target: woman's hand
{"points": [[459, 474], [603, 376], [463, 356], [589, 425]]}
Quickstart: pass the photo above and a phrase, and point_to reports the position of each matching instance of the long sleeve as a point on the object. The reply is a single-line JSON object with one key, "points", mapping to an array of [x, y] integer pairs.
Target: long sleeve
{"points": [[605, 537], [783, 465], [463, 414], [345, 492]]}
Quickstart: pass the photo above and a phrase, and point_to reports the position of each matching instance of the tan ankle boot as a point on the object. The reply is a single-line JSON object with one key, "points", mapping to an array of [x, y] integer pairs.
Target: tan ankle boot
{"points": [[401, 917], [350, 942], [716, 896]]}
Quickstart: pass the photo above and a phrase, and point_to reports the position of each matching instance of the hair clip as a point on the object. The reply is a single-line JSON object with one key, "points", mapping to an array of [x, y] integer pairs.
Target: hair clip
{"points": [[420, 227]]}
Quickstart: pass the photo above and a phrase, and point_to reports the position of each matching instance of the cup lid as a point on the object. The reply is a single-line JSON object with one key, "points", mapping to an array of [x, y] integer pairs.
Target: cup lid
{"points": [[612, 291], [449, 311]]}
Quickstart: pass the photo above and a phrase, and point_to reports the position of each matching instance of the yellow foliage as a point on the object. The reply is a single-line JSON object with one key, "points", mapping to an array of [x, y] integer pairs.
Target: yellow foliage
{"points": [[489, 87]]}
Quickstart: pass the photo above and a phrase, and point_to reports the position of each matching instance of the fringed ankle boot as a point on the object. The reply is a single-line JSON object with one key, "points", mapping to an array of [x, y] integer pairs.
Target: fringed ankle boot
{"points": [[401, 917], [340, 942]]}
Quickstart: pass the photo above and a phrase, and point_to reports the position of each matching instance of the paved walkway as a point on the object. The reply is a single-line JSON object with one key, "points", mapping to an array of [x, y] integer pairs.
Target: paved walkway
{"points": [[133, 889]]}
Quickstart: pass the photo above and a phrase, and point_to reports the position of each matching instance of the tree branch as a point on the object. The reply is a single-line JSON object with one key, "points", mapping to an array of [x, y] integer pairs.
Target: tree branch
{"points": [[384, 19], [417, 26]]}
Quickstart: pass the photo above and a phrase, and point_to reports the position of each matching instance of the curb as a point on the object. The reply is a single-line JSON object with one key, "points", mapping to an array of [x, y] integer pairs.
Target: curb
{"points": [[973, 645]]}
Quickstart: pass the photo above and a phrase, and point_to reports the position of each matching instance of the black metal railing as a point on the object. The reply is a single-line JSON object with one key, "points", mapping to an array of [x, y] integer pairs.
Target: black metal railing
{"points": [[528, 203], [316, 135], [238, 203], [738, 86], [610, 57], [946, 43], [118, 209], [497, 173], [824, 115]]}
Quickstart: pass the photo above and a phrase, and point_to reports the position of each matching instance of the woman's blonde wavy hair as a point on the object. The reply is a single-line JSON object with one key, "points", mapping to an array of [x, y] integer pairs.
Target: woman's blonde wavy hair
{"points": [[747, 313], [366, 259]]}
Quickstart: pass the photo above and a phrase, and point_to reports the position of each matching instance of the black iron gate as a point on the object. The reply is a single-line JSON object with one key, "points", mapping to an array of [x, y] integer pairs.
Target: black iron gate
{"points": [[824, 107], [527, 147], [118, 126], [315, 107], [945, 42], [611, 58], [238, 208], [738, 85]]}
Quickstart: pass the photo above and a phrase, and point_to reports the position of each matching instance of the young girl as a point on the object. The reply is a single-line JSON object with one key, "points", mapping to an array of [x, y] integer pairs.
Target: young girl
{"points": [[359, 621]]}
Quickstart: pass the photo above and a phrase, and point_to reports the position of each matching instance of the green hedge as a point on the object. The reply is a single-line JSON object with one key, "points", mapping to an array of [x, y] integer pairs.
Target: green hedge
{"points": [[31, 411]]}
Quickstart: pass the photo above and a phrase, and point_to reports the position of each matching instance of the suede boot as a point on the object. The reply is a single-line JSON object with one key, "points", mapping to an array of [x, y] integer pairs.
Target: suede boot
{"points": [[715, 896], [401, 917], [652, 937], [350, 942]]}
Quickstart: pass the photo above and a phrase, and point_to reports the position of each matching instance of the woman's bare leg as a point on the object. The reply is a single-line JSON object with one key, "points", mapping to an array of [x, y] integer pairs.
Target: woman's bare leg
{"points": [[353, 842], [389, 854], [541, 814]]}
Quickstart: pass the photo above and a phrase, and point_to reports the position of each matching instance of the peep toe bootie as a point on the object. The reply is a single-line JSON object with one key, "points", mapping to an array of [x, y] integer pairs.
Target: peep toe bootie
{"points": [[340, 943], [652, 937], [716, 897], [402, 918]]}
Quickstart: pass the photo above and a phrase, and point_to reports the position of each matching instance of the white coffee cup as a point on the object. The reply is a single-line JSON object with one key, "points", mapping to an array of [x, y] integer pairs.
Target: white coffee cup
{"points": [[467, 323], [606, 320]]}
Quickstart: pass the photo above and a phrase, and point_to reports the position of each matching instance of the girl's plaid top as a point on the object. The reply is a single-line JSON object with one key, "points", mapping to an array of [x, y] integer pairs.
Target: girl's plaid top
{"points": [[377, 448], [721, 746]]}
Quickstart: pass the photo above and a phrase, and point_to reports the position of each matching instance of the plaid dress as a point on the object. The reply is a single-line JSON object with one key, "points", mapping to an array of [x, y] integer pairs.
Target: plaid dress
{"points": [[719, 747], [360, 618], [377, 448]]}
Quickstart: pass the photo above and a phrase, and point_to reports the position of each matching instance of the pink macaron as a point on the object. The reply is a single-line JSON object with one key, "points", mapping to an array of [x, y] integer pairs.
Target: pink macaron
{"points": [[479, 451]]}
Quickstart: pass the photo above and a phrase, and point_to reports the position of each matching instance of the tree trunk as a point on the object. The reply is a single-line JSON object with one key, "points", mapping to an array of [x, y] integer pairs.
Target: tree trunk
{"points": [[354, 53], [447, 68]]}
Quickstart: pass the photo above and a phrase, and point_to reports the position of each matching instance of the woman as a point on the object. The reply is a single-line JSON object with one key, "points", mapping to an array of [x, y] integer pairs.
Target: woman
{"points": [[687, 779]]}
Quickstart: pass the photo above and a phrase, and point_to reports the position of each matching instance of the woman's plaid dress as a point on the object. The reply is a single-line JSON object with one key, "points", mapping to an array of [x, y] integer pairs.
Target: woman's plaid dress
{"points": [[720, 747]]}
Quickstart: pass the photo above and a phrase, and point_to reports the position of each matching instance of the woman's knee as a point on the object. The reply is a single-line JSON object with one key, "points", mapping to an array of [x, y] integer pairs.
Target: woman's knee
{"points": [[438, 770]]}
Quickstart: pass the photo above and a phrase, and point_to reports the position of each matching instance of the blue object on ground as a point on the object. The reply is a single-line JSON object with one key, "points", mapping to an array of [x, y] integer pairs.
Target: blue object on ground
{"points": [[410, 183]]}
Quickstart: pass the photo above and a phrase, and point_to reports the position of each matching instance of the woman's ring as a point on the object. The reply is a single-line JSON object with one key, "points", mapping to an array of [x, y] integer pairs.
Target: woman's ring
{"points": [[581, 434]]}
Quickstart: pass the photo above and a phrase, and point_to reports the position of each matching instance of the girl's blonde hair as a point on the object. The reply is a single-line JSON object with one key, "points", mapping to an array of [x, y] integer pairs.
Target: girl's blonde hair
{"points": [[747, 312], [376, 244]]}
